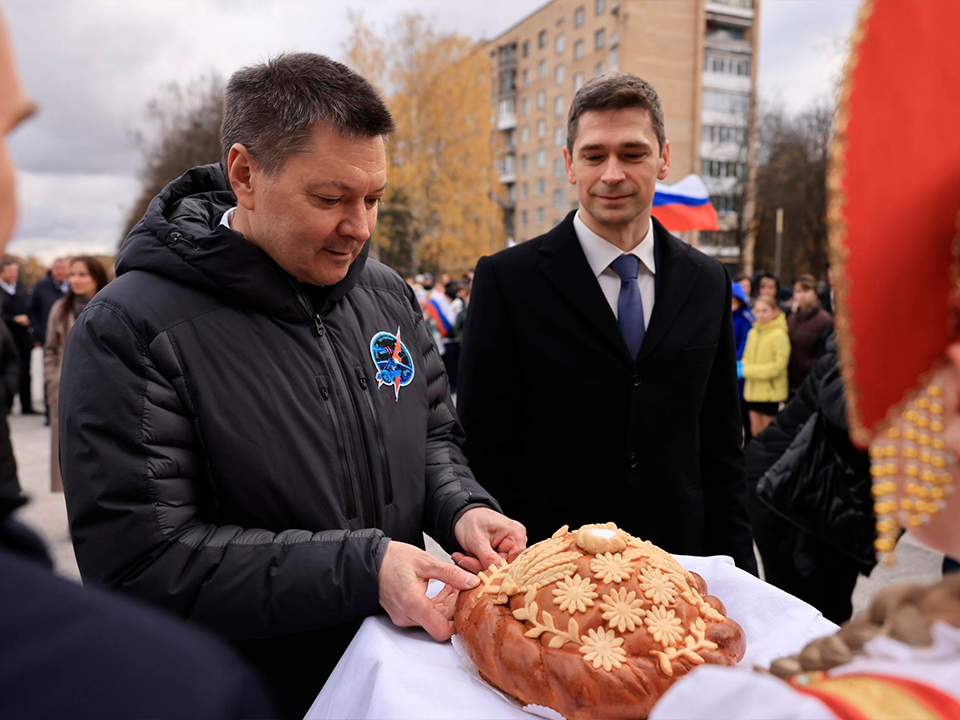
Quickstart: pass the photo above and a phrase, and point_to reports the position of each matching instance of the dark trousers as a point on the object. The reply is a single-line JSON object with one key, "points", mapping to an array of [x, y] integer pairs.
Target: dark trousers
{"points": [[24, 348], [9, 483], [828, 588]]}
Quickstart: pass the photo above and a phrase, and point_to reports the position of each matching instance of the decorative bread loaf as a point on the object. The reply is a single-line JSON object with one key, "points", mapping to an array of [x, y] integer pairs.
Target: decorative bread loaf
{"points": [[594, 624]]}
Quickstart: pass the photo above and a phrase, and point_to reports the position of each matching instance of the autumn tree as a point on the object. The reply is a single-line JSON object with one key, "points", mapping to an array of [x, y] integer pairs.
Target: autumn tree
{"points": [[792, 175], [183, 130], [440, 212]]}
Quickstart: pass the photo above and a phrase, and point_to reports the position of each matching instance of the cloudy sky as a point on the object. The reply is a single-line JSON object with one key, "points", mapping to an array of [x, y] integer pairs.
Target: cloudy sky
{"points": [[93, 65]]}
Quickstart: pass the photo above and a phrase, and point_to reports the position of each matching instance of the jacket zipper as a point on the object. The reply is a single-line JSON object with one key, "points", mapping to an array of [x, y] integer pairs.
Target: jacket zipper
{"points": [[381, 445], [368, 516], [350, 500]]}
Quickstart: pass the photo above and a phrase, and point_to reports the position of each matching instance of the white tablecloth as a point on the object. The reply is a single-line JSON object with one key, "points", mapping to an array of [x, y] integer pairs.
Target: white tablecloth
{"points": [[389, 673]]}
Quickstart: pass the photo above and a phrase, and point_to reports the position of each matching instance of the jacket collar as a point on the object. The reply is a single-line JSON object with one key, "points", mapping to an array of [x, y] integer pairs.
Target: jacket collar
{"points": [[565, 266], [180, 237]]}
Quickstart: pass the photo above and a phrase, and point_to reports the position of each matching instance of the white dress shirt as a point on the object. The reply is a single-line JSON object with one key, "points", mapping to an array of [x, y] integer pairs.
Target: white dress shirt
{"points": [[11, 289], [228, 217], [600, 253]]}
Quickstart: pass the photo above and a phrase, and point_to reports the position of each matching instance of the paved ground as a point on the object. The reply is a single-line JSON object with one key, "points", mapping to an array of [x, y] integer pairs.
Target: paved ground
{"points": [[47, 513]]}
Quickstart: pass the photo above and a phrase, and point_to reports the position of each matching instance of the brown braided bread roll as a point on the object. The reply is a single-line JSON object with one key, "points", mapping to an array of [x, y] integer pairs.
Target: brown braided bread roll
{"points": [[594, 624]]}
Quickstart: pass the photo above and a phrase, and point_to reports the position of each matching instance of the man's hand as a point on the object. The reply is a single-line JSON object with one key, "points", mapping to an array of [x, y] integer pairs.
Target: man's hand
{"points": [[22, 320], [404, 574], [488, 537]]}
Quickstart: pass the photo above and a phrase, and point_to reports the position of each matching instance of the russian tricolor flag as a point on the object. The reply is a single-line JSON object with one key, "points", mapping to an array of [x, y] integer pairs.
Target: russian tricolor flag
{"points": [[685, 206]]}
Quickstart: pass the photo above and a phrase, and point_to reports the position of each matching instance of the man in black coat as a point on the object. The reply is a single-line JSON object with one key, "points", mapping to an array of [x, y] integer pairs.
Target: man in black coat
{"points": [[591, 392], [256, 429], [16, 314], [45, 293]]}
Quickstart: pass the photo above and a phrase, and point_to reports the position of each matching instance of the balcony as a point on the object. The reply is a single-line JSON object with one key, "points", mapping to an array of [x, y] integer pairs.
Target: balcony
{"points": [[731, 8], [507, 168], [507, 114]]}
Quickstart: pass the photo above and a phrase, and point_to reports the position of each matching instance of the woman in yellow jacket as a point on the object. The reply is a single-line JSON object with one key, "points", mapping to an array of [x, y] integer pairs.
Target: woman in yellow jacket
{"points": [[764, 364]]}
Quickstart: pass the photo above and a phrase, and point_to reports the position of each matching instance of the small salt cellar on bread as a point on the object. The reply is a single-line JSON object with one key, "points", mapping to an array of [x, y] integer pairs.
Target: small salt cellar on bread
{"points": [[593, 623]]}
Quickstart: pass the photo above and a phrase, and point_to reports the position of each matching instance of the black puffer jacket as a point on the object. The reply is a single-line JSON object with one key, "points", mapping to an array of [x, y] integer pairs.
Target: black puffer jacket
{"points": [[226, 450], [772, 457]]}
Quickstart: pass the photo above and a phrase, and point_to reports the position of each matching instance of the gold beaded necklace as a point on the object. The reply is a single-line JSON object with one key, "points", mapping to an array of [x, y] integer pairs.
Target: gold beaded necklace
{"points": [[915, 449]]}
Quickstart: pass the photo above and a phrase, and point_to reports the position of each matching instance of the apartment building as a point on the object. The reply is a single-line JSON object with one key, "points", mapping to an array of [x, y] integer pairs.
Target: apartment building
{"points": [[698, 54]]}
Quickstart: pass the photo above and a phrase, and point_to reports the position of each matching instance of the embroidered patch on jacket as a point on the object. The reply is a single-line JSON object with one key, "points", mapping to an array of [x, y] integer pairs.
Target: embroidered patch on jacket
{"points": [[393, 360]]}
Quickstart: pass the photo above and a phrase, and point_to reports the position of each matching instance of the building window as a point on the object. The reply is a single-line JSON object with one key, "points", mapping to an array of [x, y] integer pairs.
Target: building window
{"points": [[523, 163], [541, 99], [577, 81], [526, 77], [558, 197], [601, 6], [558, 167], [599, 39], [614, 58], [542, 39], [524, 191], [541, 158], [559, 73], [578, 16], [723, 134], [726, 101], [558, 105], [598, 69], [542, 69], [559, 137], [559, 44], [511, 194], [578, 49], [523, 218], [541, 127], [525, 134], [726, 64], [724, 32], [525, 106], [526, 48], [541, 185], [724, 203], [722, 169], [540, 216]]}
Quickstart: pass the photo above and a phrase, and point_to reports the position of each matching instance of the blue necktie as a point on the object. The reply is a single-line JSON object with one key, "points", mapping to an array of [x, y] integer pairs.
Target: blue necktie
{"points": [[630, 304]]}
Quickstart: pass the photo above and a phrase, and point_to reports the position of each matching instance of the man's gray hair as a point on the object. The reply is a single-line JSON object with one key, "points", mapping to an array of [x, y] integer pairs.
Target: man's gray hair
{"points": [[270, 108], [615, 91]]}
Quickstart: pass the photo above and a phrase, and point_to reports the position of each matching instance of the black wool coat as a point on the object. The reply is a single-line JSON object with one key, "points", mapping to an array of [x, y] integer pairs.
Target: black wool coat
{"points": [[564, 427], [227, 451]]}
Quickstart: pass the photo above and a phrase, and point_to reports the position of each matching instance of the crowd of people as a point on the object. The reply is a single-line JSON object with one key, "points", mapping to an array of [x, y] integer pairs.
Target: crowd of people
{"points": [[39, 317], [256, 422]]}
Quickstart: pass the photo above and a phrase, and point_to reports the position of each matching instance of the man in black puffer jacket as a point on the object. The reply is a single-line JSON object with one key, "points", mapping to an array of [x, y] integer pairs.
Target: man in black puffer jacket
{"points": [[820, 570], [256, 424]]}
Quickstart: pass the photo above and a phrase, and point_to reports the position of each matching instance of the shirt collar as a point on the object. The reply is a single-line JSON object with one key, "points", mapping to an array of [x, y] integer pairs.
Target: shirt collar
{"points": [[10, 288], [600, 253], [228, 218]]}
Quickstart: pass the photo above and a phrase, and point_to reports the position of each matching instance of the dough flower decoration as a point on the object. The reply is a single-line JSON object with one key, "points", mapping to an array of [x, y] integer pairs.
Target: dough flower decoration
{"points": [[622, 610], [663, 625], [610, 568], [575, 594], [657, 587], [603, 648]]}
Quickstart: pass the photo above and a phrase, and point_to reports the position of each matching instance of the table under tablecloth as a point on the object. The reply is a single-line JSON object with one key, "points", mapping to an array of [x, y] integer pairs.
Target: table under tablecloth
{"points": [[391, 673]]}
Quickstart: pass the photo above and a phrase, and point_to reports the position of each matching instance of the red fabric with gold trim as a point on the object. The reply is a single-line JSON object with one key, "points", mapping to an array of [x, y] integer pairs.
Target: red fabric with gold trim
{"points": [[894, 204]]}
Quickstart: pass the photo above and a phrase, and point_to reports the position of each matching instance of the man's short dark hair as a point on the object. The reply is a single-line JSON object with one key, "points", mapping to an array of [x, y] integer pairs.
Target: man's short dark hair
{"points": [[270, 108], [7, 262], [615, 91]]}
